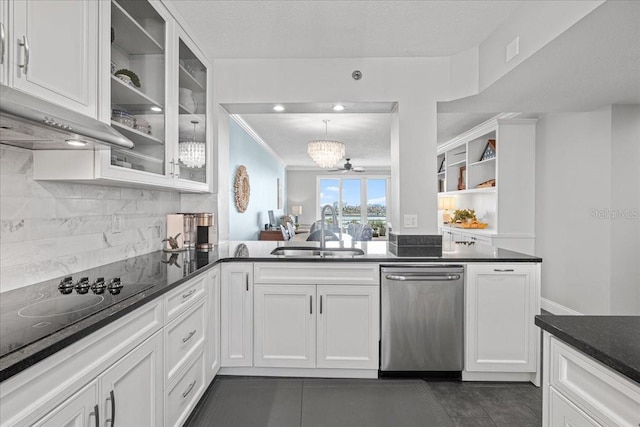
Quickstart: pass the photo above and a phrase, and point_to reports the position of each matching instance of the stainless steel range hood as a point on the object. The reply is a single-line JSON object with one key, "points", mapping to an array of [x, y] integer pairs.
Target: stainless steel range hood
{"points": [[30, 122]]}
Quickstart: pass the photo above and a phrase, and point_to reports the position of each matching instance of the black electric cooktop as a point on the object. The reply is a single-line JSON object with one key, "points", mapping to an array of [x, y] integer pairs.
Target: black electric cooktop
{"points": [[36, 311]]}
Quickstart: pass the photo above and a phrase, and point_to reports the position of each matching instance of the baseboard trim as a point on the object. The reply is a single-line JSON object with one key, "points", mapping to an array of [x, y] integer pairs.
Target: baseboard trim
{"points": [[299, 372], [500, 376], [558, 309]]}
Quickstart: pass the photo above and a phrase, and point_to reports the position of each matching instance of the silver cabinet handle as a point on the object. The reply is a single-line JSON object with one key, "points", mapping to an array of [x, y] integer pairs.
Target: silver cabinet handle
{"points": [[310, 304], [112, 398], [188, 294], [503, 270], [25, 43], [2, 38], [423, 278], [247, 281], [320, 304], [188, 337], [96, 414], [188, 390]]}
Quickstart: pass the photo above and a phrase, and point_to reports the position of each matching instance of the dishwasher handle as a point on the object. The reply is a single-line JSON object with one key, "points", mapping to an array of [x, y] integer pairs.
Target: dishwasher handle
{"points": [[422, 277]]}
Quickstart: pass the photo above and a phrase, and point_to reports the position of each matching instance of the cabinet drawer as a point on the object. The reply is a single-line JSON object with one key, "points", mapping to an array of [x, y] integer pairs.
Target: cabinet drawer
{"points": [[182, 338], [315, 274], [181, 398], [565, 413], [603, 394], [178, 300]]}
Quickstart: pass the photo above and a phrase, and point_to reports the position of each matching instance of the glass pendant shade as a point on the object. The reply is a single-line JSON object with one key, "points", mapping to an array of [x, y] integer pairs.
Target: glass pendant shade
{"points": [[326, 153], [192, 153]]}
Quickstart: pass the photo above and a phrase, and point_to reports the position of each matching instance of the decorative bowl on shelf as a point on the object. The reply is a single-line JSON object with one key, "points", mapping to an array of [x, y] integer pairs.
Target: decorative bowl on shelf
{"points": [[477, 225]]}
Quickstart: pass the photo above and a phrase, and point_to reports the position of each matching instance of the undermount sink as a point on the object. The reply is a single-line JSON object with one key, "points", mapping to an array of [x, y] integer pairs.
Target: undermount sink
{"points": [[293, 251]]}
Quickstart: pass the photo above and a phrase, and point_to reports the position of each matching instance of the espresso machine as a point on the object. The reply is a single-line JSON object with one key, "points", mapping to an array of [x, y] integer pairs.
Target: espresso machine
{"points": [[205, 232]]}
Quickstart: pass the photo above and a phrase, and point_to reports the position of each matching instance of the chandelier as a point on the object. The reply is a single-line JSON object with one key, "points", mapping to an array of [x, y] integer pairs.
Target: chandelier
{"points": [[192, 153], [325, 152]]}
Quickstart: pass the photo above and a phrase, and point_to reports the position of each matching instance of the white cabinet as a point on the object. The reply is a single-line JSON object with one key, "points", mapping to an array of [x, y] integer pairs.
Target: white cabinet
{"points": [[131, 390], [212, 342], [142, 40], [563, 413], [507, 207], [80, 410], [52, 51], [348, 324], [236, 314], [4, 40], [580, 391], [182, 396], [309, 326], [285, 326], [501, 301]]}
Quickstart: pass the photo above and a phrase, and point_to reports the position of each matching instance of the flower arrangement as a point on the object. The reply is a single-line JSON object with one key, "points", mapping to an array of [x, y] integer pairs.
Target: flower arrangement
{"points": [[462, 215]]}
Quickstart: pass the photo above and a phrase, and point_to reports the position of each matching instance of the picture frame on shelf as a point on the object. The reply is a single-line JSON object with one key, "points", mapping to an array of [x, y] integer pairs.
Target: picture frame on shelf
{"points": [[489, 151], [462, 178], [441, 168], [441, 185]]}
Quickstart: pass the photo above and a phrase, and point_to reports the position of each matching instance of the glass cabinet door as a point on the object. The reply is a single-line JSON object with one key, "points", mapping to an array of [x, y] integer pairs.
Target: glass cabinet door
{"points": [[193, 150], [138, 99]]}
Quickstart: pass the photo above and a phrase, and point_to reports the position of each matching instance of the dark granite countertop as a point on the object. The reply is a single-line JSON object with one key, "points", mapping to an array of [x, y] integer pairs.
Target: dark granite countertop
{"points": [[375, 251], [166, 271], [612, 340]]}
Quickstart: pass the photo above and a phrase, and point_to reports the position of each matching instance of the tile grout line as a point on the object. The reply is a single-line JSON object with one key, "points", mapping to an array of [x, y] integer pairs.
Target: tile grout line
{"points": [[301, 400]]}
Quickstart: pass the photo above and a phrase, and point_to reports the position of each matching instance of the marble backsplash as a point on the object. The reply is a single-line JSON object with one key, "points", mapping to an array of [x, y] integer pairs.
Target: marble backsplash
{"points": [[49, 229]]}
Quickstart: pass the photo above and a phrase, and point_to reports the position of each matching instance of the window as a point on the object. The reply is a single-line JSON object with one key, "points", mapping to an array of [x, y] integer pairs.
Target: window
{"points": [[349, 195]]}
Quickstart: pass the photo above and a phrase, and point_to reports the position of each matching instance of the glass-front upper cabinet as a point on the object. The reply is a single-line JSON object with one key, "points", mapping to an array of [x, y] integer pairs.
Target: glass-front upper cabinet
{"points": [[193, 150], [138, 82]]}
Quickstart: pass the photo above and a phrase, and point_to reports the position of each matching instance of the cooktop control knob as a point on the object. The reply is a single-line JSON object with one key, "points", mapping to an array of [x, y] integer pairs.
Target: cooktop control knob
{"points": [[66, 285], [98, 286], [82, 287], [115, 286]]}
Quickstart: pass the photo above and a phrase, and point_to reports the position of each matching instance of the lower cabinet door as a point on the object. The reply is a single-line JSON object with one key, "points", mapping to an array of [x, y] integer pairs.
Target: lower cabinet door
{"points": [[131, 390], [284, 326], [236, 314], [348, 325], [501, 302], [563, 413], [80, 410], [183, 395]]}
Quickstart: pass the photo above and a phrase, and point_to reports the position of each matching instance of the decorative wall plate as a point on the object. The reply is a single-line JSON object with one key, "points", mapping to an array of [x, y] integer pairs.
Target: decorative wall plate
{"points": [[242, 189]]}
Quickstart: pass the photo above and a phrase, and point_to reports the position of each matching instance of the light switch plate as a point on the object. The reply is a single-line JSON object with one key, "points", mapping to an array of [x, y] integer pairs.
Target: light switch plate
{"points": [[411, 221]]}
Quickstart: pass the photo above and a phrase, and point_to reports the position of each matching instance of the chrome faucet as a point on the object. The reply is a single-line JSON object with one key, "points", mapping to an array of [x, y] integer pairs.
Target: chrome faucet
{"points": [[334, 218]]}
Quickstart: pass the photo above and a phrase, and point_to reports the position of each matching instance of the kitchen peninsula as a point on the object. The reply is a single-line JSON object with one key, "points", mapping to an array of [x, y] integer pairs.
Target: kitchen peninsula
{"points": [[187, 299]]}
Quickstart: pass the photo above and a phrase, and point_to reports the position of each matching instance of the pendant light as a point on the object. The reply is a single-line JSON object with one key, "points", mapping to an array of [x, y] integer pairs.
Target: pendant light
{"points": [[325, 152], [192, 153]]}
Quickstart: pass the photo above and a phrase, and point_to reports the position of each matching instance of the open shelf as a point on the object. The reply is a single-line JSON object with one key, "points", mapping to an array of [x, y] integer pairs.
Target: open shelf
{"points": [[139, 156], [137, 40], [135, 135], [130, 98], [481, 162], [469, 191], [188, 81], [459, 162]]}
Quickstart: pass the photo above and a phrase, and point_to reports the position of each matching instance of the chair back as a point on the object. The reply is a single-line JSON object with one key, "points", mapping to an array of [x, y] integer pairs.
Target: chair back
{"points": [[285, 233]]}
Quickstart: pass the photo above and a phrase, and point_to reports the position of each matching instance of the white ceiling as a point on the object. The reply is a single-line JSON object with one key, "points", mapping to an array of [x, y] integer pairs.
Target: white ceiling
{"points": [[594, 63], [341, 29]]}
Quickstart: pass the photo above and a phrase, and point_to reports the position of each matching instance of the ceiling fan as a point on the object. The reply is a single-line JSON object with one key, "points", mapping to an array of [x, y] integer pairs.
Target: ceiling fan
{"points": [[349, 167]]}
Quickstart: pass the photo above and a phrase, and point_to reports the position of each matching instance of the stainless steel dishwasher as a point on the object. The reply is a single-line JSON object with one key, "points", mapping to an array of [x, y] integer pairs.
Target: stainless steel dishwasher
{"points": [[422, 319]]}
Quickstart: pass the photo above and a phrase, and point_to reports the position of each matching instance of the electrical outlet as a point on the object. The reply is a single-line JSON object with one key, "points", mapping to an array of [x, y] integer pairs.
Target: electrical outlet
{"points": [[411, 221], [117, 222]]}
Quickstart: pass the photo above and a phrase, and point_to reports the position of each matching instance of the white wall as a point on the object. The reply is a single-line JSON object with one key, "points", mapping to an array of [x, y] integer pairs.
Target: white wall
{"points": [[587, 167], [415, 83]]}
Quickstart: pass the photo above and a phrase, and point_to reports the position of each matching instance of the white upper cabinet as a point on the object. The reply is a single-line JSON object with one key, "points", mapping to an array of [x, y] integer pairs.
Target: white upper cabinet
{"points": [[52, 51], [4, 40], [153, 86]]}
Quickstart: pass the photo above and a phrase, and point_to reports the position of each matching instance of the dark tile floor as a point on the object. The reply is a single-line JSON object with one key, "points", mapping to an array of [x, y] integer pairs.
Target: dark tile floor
{"points": [[280, 402]]}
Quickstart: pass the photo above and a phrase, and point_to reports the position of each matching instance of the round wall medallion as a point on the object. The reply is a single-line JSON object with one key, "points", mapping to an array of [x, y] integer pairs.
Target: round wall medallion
{"points": [[242, 189]]}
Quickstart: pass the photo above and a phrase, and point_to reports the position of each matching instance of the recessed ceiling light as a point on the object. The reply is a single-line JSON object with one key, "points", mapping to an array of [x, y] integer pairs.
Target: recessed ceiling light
{"points": [[76, 143], [278, 107], [338, 107], [156, 109]]}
